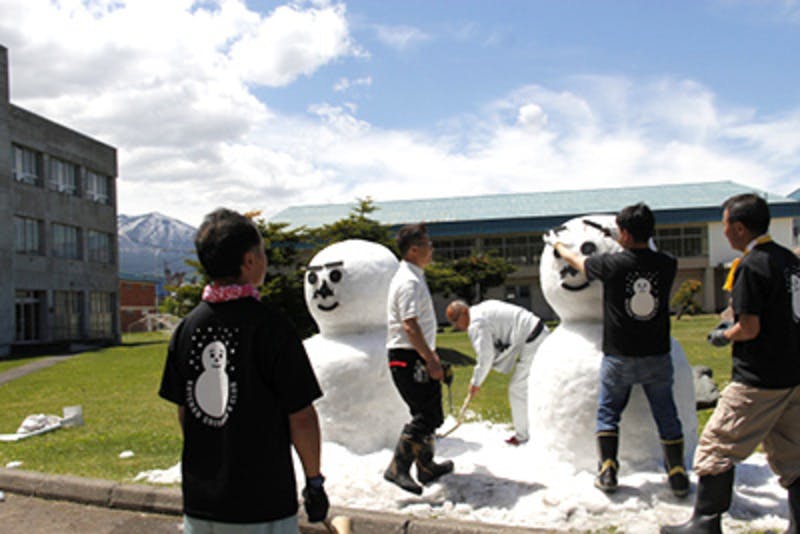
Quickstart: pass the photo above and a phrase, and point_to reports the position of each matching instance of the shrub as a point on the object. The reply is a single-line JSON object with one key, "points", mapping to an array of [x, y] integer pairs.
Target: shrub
{"points": [[684, 300]]}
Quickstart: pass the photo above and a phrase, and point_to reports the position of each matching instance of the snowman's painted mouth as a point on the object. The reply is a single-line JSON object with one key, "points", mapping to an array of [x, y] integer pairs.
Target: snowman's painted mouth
{"points": [[572, 273], [328, 308], [580, 287]]}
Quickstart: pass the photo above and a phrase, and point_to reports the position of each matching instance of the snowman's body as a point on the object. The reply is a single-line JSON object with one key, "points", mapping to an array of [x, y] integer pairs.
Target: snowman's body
{"points": [[642, 304], [211, 390], [564, 377], [346, 289]]}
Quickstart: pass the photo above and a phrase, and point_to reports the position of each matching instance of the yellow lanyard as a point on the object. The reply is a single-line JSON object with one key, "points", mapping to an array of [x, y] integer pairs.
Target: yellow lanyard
{"points": [[728, 285]]}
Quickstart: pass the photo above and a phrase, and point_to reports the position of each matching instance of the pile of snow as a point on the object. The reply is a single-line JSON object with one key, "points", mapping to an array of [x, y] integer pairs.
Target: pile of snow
{"points": [[500, 484]]}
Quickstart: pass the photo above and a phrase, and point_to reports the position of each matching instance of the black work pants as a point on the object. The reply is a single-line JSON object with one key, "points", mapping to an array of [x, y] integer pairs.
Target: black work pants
{"points": [[421, 393]]}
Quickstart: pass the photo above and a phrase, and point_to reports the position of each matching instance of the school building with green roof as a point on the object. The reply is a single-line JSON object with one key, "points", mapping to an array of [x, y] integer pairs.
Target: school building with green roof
{"points": [[688, 225]]}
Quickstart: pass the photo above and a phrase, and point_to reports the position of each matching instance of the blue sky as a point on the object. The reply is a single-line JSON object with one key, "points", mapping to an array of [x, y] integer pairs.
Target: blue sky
{"points": [[462, 53], [262, 104]]}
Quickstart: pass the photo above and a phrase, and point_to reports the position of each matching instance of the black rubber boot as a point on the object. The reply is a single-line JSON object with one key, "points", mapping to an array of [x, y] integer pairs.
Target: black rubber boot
{"points": [[427, 469], [607, 467], [794, 508], [398, 470], [714, 494], [673, 463]]}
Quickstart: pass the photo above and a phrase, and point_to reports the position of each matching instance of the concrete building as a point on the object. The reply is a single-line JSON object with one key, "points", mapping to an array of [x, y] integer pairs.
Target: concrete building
{"points": [[58, 253], [511, 225]]}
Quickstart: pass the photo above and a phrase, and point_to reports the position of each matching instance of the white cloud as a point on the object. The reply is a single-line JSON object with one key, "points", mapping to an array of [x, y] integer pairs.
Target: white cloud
{"points": [[176, 93], [400, 37], [292, 42], [345, 83]]}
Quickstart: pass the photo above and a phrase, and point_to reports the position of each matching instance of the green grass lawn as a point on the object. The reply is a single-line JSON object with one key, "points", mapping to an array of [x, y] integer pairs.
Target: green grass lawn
{"points": [[117, 388]]}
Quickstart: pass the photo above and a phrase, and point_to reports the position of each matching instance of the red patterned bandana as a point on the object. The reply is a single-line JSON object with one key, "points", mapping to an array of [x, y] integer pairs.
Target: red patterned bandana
{"points": [[215, 293]]}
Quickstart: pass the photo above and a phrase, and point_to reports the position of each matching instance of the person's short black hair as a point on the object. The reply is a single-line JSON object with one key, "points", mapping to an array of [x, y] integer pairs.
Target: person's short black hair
{"points": [[222, 241], [410, 235], [638, 220], [749, 209]]}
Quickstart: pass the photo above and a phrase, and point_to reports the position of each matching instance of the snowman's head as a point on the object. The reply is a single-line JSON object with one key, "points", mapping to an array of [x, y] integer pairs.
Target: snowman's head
{"points": [[347, 285], [568, 291], [642, 285], [214, 356]]}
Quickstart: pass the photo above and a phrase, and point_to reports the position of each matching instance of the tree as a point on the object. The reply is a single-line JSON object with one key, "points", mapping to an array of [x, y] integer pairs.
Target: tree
{"points": [[357, 225], [468, 277], [283, 285], [184, 296]]}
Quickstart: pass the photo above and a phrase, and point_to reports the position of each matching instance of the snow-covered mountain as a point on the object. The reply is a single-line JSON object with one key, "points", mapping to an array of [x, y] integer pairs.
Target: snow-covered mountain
{"points": [[148, 243]]}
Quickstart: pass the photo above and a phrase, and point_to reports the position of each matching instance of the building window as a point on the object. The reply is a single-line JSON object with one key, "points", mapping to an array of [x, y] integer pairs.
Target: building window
{"points": [[28, 315], [63, 176], [99, 246], [67, 314], [66, 241], [452, 249], [98, 188], [100, 314], [26, 165], [684, 241], [517, 250], [27, 236]]}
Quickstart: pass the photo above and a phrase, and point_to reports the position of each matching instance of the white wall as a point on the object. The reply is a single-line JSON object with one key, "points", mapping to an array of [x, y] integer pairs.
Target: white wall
{"points": [[719, 251]]}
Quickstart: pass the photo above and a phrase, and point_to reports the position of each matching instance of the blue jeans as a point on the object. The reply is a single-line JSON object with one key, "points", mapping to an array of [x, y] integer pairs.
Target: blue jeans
{"points": [[618, 374]]}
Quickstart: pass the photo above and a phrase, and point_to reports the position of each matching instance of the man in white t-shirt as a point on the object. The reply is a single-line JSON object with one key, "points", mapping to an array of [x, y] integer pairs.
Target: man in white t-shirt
{"points": [[502, 334], [415, 366]]}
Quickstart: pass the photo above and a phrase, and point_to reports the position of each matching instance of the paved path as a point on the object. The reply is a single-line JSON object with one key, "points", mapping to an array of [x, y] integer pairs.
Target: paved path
{"points": [[22, 370], [20, 514]]}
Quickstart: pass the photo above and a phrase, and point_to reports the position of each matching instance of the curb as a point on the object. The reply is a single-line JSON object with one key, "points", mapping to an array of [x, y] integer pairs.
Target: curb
{"points": [[144, 498]]}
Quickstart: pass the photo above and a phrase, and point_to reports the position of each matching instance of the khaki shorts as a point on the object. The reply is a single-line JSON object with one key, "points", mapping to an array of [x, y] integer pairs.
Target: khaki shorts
{"points": [[746, 416]]}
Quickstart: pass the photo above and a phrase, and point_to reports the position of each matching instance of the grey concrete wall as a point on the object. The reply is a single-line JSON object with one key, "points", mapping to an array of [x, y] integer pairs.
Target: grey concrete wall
{"points": [[6, 222], [46, 272]]}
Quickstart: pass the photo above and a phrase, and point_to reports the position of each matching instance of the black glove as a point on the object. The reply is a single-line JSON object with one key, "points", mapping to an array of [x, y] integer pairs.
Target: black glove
{"points": [[315, 499], [717, 336]]}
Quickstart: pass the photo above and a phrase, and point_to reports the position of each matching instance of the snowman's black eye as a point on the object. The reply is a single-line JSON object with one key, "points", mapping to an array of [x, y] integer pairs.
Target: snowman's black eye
{"points": [[312, 278], [588, 248], [335, 275]]}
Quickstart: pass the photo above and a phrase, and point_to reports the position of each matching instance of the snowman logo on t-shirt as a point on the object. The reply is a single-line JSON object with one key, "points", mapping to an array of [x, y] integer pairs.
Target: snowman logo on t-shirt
{"points": [[211, 396], [642, 304], [795, 289], [211, 388]]}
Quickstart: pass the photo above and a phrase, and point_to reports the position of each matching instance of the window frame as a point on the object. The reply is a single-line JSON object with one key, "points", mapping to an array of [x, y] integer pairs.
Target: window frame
{"points": [[102, 252], [19, 172], [59, 179], [93, 187], [61, 250], [27, 233]]}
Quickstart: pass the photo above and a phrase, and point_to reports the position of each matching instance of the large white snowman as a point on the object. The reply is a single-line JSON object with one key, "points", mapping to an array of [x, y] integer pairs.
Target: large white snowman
{"points": [[563, 383], [346, 290]]}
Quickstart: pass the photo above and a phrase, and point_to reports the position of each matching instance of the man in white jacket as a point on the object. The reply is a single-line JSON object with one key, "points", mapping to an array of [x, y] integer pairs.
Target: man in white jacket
{"points": [[502, 334]]}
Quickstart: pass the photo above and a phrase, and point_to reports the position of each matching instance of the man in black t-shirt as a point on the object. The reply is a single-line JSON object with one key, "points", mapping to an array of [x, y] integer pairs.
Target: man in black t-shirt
{"points": [[244, 388], [636, 341], [762, 403]]}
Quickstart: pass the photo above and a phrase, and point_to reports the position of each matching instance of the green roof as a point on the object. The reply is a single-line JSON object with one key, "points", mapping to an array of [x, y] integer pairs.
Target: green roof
{"points": [[547, 205]]}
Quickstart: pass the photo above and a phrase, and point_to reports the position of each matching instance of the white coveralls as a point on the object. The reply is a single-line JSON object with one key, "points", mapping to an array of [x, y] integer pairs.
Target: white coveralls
{"points": [[499, 333]]}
